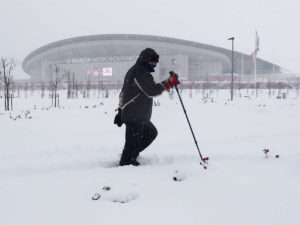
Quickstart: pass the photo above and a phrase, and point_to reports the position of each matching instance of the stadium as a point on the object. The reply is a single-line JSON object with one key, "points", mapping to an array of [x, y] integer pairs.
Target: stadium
{"points": [[107, 57]]}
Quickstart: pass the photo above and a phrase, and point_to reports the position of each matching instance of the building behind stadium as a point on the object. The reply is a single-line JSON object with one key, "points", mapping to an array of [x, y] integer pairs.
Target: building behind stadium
{"points": [[107, 58]]}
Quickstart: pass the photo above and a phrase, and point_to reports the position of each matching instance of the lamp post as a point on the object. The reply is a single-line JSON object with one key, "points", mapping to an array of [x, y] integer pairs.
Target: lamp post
{"points": [[231, 86]]}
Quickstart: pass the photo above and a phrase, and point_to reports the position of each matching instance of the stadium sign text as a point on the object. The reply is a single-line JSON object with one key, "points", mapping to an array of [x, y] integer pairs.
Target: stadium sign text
{"points": [[102, 59]]}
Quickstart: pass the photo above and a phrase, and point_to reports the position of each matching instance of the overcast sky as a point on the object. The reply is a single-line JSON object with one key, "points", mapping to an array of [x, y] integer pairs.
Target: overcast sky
{"points": [[29, 24]]}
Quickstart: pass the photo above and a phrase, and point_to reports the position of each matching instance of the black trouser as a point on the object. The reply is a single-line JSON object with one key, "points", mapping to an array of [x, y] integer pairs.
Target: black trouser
{"points": [[138, 137]]}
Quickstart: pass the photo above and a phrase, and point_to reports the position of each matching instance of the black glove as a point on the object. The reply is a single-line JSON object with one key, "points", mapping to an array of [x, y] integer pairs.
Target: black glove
{"points": [[118, 119]]}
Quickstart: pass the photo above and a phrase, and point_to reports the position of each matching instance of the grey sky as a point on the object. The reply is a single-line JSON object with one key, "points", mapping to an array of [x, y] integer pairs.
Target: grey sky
{"points": [[28, 25]]}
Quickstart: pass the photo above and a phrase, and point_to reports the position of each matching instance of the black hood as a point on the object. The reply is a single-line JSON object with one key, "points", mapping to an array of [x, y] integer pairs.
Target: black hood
{"points": [[147, 55]]}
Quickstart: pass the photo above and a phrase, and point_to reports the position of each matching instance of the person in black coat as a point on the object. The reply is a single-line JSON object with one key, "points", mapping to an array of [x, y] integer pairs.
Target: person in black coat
{"points": [[135, 105]]}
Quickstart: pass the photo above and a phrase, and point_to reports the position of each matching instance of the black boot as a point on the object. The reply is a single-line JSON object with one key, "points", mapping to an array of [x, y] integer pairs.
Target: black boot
{"points": [[133, 162], [125, 159]]}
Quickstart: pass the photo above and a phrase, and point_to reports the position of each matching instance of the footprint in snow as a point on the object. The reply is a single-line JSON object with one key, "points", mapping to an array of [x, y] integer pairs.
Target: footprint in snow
{"points": [[179, 176], [120, 194]]}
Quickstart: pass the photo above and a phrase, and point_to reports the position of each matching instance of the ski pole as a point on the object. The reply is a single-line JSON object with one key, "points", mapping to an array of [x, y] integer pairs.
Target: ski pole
{"points": [[204, 159]]}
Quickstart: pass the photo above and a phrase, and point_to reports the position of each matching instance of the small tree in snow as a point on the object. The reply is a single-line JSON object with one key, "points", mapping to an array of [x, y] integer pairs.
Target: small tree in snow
{"points": [[42, 85], [269, 86], [26, 89], [6, 68], [59, 75]]}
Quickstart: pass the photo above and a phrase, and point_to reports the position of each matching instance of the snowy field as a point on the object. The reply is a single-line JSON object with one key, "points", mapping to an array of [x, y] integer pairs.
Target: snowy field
{"points": [[54, 160]]}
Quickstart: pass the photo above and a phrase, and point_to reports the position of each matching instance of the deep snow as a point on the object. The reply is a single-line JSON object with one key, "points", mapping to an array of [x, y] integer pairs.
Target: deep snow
{"points": [[55, 160]]}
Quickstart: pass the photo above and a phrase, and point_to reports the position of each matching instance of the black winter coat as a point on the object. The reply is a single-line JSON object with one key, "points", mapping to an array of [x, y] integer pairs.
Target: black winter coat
{"points": [[138, 90]]}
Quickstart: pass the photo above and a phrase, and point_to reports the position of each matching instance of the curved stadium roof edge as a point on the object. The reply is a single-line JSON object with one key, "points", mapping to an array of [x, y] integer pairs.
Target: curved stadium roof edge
{"points": [[128, 37], [98, 37]]}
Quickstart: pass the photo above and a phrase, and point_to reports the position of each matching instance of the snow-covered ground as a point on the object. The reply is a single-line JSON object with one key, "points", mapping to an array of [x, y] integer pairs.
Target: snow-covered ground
{"points": [[54, 160]]}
